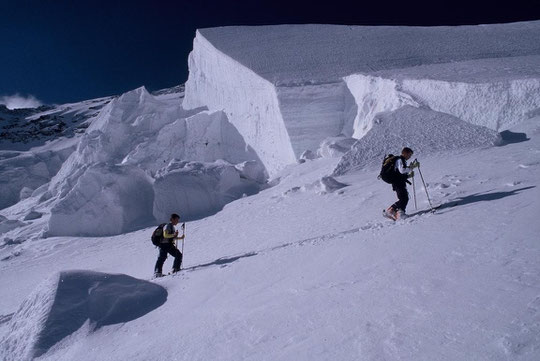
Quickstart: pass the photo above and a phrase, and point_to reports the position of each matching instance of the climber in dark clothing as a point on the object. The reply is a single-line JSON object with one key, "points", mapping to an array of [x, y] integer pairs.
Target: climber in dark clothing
{"points": [[399, 184], [168, 246]]}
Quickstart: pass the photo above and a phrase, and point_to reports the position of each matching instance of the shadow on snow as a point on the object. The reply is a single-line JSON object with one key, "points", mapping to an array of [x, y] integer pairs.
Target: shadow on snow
{"points": [[223, 261], [474, 198]]}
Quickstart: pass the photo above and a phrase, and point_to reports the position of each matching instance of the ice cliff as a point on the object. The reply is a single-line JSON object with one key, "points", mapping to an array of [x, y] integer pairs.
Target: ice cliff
{"points": [[289, 87]]}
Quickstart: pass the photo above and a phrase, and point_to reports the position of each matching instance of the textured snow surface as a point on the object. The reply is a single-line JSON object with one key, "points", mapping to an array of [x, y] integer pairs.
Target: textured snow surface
{"points": [[65, 302], [23, 172]]}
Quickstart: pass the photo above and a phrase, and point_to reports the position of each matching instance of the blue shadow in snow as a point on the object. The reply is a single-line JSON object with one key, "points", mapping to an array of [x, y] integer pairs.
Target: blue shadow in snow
{"points": [[509, 137], [223, 261], [474, 198]]}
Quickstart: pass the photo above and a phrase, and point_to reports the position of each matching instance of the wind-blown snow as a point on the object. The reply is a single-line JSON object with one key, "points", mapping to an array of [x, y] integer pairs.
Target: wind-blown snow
{"points": [[18, 101]]}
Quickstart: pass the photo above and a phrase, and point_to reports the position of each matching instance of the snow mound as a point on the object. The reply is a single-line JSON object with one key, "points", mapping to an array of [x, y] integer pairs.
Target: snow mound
{"points": [[201, 189], [66, 301], [330, 184], [204, 137], [423, 130]]}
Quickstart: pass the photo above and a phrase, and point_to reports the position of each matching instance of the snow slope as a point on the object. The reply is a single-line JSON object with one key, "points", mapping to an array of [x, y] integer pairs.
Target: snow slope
{"points": [[303, 83], [297, 273]]}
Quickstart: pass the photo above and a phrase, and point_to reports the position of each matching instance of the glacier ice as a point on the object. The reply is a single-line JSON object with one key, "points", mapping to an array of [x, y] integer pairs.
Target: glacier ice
{"points": [[288, 87]]}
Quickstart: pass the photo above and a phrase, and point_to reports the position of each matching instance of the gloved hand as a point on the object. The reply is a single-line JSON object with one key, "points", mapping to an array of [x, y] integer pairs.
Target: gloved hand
{"points": [[411, 174], [415, 164]]}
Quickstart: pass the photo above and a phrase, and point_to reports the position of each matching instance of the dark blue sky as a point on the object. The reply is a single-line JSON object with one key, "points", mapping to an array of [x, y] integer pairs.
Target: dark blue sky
{"points": [[62, 51]]}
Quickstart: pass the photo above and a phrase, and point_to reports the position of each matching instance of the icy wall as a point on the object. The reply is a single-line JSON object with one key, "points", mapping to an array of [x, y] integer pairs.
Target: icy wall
{"points": [[289, 87], [495, 93], [279, 123], [250, 102]]}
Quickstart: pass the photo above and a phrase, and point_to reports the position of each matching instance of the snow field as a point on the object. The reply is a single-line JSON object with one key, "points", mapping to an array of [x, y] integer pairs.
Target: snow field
{"points": [[318, 275], [289, 54]]}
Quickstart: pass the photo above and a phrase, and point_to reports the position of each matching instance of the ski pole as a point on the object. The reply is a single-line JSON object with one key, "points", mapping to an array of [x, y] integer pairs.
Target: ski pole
{"points": [[414, 193], [425, 188], [183, 238]]}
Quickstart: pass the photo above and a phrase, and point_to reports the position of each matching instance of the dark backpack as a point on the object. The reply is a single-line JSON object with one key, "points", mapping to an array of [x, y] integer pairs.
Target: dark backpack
{"points": [[388, 169], [157, 235]]}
